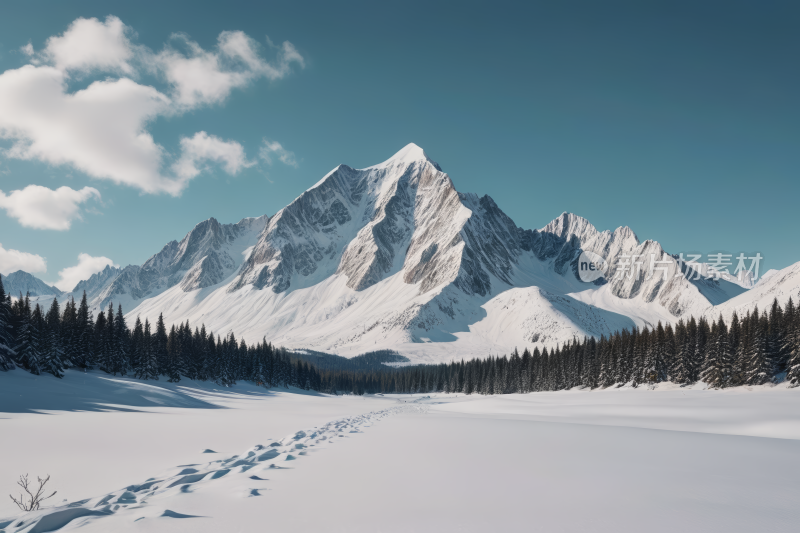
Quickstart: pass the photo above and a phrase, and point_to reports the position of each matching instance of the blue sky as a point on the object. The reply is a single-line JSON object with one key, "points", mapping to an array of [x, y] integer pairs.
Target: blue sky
{"points": [[678, 119]]}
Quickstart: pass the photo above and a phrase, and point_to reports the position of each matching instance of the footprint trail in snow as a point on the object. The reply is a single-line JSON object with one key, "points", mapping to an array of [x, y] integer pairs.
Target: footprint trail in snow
{"points": [[150, 499]]}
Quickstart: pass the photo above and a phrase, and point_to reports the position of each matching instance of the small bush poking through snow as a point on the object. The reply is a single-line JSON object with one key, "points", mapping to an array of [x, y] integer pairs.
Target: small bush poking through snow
{"points": [[33, 499]]}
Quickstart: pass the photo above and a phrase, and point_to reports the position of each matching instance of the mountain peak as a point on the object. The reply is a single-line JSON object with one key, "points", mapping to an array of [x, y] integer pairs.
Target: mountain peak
{"points": [[410, 153], [21, 282], [568, 224]]}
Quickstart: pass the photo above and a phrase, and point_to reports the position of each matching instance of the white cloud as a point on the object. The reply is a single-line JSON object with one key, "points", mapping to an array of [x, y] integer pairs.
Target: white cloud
{"points": [[89, 44], [270, 148], [102, 129], [208, 77], [42, 208], [99, 130], [87, 265], [13, 260], [204, 147]]}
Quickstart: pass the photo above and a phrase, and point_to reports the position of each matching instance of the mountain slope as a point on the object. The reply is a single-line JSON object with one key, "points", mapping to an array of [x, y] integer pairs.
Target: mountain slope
{"points": [[96, 283], [393, 257], [205, 257], [781, 285], [21, 282]]}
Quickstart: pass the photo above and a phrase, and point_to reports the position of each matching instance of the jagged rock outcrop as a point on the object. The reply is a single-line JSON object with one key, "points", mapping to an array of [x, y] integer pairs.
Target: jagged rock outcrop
{"points": [[97, 282], [393, 256], [20, 282]]}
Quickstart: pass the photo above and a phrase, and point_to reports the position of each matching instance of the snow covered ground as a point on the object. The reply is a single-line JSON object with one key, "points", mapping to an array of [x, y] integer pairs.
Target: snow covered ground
{"points": [[128, 456]]}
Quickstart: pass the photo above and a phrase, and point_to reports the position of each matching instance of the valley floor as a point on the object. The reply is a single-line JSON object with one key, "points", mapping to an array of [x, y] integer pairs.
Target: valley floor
{"points": [[129, 456]]}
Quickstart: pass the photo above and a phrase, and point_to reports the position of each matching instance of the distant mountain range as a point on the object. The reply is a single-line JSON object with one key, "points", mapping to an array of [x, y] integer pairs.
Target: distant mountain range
{"points": [[393, 257], [20, 282]]}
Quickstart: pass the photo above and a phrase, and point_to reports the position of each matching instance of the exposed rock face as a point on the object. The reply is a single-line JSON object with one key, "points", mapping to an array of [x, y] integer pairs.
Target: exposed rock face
{"points": [[402, 215], [20, 282], [206, 256], [97, 282], [393, 256], [364, 224], [638, 270]]}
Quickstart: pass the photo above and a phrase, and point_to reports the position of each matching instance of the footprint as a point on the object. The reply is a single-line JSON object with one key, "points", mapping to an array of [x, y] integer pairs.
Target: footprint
{"points": [[137, 496], [191, 478], [271, 454], [127, 497], [172, 514]]}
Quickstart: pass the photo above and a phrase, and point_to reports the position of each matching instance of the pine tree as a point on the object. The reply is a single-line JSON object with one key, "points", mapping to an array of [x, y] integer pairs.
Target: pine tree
{"points": [[588, 366], [606, 377], [670, 351], [203, 353], [137, 349], [84, 336], [639, 356], [700, 346], [23, 333], [660, 353], [160, 345], [120, 351], [148, 364], [758, 367], [109, 340], [716, 368], [744, 350], [650, 371], [6, 333], [32, 355], [173, 356], [53, 356], [776, 355], [101, 342], [682, 369], [621, 366], [735, 347], [69, 336], [793, 343]]}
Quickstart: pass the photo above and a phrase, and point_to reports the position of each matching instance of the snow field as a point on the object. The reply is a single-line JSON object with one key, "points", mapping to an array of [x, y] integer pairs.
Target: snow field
{"points": [[151, 498], [669, 459], [95, 434]]}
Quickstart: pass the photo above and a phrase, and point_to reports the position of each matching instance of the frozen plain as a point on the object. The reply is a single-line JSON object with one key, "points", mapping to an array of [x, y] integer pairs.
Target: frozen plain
{"points": [[672, 459]]}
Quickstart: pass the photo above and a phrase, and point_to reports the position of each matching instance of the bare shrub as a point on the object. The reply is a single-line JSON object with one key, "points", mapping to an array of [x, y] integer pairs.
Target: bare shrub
{"points": [[32, 501]]}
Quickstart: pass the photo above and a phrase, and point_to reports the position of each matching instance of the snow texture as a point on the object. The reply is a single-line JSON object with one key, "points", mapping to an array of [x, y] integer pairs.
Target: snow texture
{"points": [[607, 460], [21, 282], [393, 257]]}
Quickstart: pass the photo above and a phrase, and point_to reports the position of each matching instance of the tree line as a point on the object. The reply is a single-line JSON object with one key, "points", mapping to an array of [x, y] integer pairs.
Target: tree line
{"points": [[49, 341], [754, 350], [758, 348]]}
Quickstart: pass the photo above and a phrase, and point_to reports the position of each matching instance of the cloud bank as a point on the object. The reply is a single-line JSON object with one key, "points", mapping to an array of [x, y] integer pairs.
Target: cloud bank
{"points": [[102, 130], [87, 265], [204, 148], [42, 208], [273, 148], [13, 260]]}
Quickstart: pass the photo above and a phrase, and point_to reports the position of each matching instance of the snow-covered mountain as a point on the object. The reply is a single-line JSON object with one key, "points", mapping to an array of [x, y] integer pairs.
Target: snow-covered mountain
{"points": [[20, 282], [775, 284], [206, 256], [96, 283], [393, 256]]}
